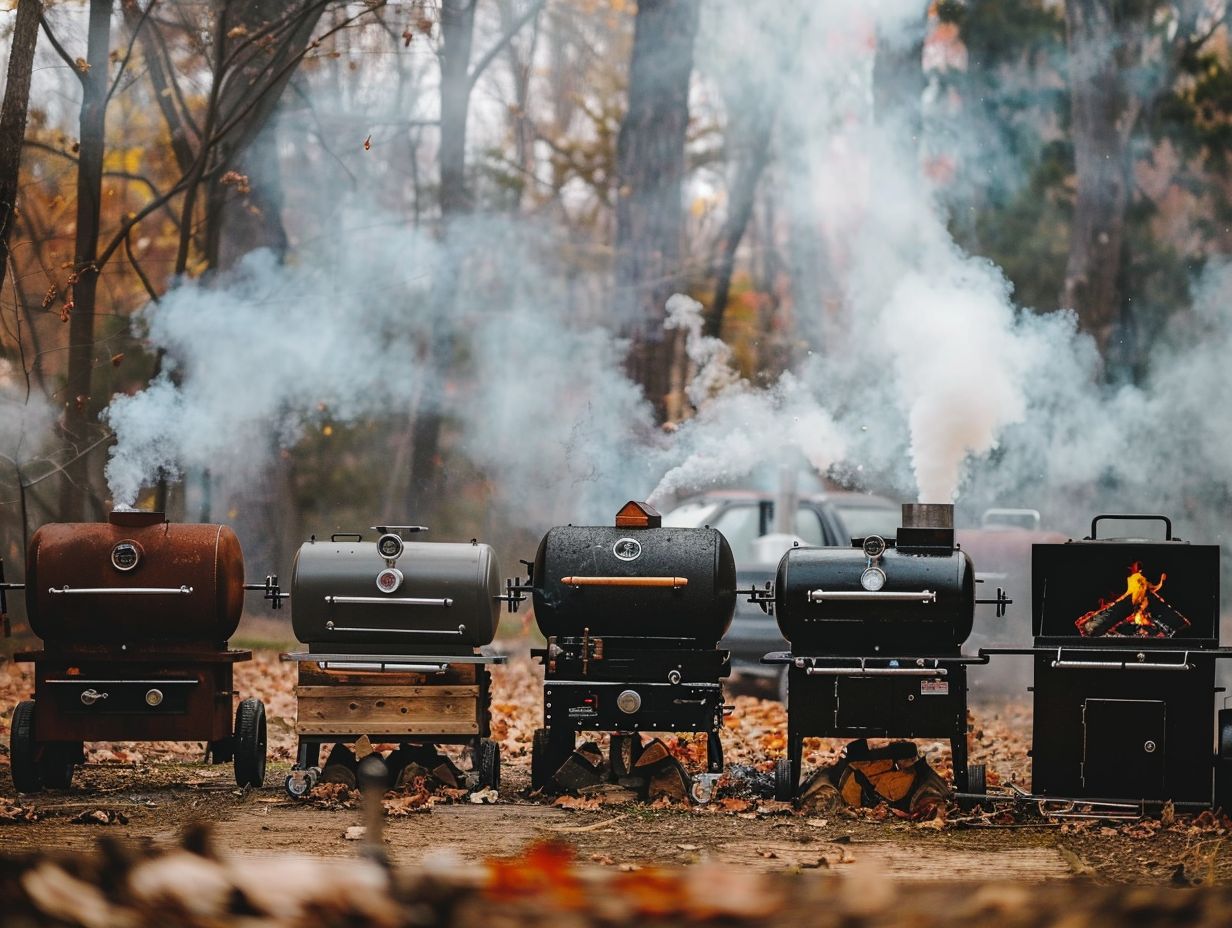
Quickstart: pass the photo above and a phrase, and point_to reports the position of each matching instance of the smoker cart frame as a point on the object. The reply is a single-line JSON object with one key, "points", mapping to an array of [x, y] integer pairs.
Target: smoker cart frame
{"points": [[620, 686], [386, 697], [138, 695], [875, 696]]}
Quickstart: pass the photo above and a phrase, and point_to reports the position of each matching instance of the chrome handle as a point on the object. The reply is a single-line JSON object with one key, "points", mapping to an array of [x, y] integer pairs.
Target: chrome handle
{"points": [[876, 671], [331, 627], [885, 596], [91, 696], [1117, 665], [122, 590], [385, 666], [386, 601]]}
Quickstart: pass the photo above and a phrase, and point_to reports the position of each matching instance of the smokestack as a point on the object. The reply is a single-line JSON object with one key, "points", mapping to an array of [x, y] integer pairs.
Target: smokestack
{"points": [[927, 525], [786, 501]]}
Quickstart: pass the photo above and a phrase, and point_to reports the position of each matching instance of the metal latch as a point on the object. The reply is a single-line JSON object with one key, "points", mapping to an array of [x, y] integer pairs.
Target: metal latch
{"points": [[91, 696]]}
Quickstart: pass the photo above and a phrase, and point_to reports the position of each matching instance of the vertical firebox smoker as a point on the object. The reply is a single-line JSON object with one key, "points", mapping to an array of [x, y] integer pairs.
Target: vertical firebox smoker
{"points": [[134, 614], [632, 614], [1126, 636], [876, 634], [393, 630]]}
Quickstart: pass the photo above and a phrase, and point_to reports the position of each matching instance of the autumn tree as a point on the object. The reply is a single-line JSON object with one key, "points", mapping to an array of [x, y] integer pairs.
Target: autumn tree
{"points": [[650, 168], [13, 117]]}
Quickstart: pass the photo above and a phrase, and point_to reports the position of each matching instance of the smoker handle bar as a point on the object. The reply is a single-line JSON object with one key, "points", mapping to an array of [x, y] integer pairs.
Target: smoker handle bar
{"points": [[331, 627], [881, 596], [674, 583], [1117, 665], [122, 590], [876, 672], [386, 601], [384, 666]]}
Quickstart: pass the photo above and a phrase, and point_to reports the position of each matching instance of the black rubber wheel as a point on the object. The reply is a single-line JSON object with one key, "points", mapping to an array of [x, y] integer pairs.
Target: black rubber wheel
{"points": [[489, 764], [539, 759], [1223, 763], [250, 743], [56, 764], [784, 788], [977, 779], [23, 750]]}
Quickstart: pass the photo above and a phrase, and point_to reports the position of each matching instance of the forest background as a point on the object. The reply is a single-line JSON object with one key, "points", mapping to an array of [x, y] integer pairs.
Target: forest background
{"points": [[307, 266]]}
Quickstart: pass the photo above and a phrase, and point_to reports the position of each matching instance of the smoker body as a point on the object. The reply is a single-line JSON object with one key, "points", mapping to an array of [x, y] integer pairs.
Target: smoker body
{"points": [[632, 615], [393, 630], [1126, 640], [134, 615], [876, 633]]}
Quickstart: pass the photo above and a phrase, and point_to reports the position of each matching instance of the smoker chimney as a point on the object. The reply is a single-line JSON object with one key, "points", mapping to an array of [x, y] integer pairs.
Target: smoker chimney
{"points": [[927, 525]]}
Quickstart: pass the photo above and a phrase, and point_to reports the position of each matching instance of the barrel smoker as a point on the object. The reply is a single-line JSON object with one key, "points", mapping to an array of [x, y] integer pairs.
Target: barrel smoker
{"points": [[394, 631], [876, 634], [1126, 638], [134, 615], [632, 614]]}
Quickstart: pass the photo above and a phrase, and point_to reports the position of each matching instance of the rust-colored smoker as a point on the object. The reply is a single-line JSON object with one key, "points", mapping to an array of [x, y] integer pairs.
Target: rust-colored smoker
{"points": [[134, 614]]}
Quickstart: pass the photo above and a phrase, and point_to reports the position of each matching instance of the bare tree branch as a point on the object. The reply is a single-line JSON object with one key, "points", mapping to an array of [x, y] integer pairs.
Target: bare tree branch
{"points": [[514, 28]]}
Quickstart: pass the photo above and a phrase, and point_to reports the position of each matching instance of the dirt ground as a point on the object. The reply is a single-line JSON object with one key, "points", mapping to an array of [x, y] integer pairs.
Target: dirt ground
{"points": [[147, 794]]}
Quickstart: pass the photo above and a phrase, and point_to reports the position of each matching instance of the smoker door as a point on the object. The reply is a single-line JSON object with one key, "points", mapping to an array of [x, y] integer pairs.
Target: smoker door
{"points": [[1123, 748]]}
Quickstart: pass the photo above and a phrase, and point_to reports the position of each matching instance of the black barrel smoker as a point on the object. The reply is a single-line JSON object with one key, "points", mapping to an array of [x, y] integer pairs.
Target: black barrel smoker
{"points": [[1126, 636], [632, 614], [134, 614], [394, 631], [876, 634]]}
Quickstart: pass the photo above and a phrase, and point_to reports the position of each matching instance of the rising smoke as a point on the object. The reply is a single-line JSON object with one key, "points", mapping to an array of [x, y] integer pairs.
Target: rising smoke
{"points": [[929, 380]]}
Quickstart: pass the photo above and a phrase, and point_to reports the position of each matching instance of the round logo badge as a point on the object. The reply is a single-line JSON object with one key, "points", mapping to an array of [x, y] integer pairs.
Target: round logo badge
{"points": [[389, 579], [627, 549]]}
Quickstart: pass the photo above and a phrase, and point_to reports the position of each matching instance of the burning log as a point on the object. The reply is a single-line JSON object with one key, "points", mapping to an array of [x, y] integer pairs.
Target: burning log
{"points": [[1140, 610]]}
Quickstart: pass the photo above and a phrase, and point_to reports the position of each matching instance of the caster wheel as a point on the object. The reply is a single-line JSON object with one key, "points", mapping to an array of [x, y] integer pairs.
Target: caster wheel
{"points": [[250, 743], [23, 750], [977, 779], [539, 774], [784, 788], [1223, 763], [489, 764]]}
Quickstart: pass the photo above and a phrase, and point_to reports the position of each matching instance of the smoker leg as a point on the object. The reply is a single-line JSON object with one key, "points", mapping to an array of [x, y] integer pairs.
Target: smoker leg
{"points": [[714, 752], [958, 750], [307, 755], [795, 754]]}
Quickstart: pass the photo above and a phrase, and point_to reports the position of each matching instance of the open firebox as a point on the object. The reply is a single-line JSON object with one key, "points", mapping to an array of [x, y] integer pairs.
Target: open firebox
{"points": [[1126, 636], [632, 614], [134, 614], [394, 631], [876, 634]]}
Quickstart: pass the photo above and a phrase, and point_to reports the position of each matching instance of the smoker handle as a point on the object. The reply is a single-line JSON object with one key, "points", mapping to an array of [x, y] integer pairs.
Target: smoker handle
{"points": [[386, 601], [1117, 665], [876, 672], [675, 583], [1132, 518], [331, 627], [384, 666], [880, 596], [122, 590]]}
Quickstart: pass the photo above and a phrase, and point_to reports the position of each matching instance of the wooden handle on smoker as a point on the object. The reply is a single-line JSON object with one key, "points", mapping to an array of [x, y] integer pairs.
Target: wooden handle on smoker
{"points": [[674, 582]]}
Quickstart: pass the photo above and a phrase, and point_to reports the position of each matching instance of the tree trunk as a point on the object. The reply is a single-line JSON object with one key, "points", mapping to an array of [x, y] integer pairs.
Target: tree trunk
{"points": [[1101, 121], [650, 164], [898, 80], [457, 34], [76, 421], [13, 117]]}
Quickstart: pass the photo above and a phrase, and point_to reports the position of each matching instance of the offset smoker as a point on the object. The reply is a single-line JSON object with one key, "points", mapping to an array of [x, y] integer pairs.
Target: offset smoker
{"points": [[1126, 636], [876, 634], [632, 615], [134, 614], [393, 632]]}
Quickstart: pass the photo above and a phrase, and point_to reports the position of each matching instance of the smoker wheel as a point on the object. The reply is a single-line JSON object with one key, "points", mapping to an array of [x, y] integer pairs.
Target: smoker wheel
{"points": [[23, 750], [977, 779], [250, 743], [57, 763], [489, 764], [1223, 762], [784, 788]]}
